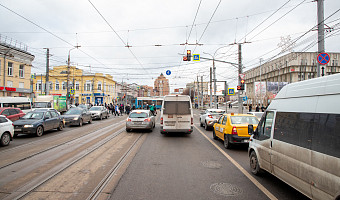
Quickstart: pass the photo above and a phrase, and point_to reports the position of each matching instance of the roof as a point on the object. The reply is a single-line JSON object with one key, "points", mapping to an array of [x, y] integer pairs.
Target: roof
{"points": [[145, 111]]}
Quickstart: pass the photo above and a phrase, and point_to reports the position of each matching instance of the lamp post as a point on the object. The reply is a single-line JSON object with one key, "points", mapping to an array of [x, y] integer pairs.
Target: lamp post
{"points": [[68, 76]]}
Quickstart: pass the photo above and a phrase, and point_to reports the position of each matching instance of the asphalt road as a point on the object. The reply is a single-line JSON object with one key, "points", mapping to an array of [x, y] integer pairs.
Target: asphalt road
{"points": [[181, 166]]}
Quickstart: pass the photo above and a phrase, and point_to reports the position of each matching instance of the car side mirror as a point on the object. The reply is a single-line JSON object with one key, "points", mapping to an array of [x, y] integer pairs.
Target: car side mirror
{"points": [[250, 129], [46, 117]]}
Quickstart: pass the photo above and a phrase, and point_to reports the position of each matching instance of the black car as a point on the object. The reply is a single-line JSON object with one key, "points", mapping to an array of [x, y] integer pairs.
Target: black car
{"points": [[77, 116], [37, 122]]}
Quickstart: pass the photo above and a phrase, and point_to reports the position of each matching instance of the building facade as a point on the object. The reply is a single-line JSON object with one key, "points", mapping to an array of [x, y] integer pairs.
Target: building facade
{"points": [[95, 88], [15, 71], [264, 82], [161, 86]]}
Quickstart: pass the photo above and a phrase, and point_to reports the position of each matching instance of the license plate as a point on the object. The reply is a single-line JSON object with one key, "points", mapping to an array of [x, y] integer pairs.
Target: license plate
{"points": [[246, 141], [17, 129], [137, 122]]}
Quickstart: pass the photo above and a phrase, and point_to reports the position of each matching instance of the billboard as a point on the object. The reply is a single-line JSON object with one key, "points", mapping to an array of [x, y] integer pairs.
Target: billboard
{"points": [[260, 87], [219, 87]]}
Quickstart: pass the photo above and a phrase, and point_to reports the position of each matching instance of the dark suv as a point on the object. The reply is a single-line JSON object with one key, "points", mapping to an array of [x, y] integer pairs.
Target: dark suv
{"points": [[12, 114]]}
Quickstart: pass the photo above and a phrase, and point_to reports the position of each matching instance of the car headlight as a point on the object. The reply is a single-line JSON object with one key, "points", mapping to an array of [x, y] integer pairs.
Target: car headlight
{"points": [[28, 126], [76, 118]]}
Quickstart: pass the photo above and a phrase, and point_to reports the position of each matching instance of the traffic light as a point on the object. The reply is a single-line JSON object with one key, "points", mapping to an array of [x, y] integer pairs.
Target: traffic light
{"points": [[242, 84], [185, 58], [69, 95], [188, 55]]}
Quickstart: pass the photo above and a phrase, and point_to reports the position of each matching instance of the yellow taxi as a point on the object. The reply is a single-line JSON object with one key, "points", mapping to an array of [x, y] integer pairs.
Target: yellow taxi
{"points": [[233, 128]]}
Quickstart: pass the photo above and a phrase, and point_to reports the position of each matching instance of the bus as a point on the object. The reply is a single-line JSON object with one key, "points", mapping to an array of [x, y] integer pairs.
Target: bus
{"points": [[23, 103]]}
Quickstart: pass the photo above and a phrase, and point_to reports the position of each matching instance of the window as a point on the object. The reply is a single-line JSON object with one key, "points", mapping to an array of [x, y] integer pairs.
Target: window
{"points": [[3, 120], [99, 86], [224, 120], [21, 85], [220, 120], [21, 71], [88, 86], [9, 83], [10, 69], [54, 114], [48, 115], [77, 85], [38, 86], [56, 85], [177, 107], [265, 126], [13, 111], [5, 112], [64, 85]]}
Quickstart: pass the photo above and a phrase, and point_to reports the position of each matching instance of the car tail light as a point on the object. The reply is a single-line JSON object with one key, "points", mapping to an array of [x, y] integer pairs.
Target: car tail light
{"points": [[210, 116], [12, 124], [161, 120], [234, 130], [128, 120], [147, 120], [192, 121]]}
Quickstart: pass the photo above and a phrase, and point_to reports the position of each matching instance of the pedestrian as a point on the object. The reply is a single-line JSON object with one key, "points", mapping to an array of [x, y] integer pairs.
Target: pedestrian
{"points": [[112, 109], [147, 106], [257, 109], [121, 109], [250, 107], [152, 109], [117, 110], [262, 108], [127, 109]]}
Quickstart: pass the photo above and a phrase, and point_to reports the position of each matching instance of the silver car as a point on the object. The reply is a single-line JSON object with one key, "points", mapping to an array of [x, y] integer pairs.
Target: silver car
{"points": [[209, 116], [140, 119], [99, 112]]}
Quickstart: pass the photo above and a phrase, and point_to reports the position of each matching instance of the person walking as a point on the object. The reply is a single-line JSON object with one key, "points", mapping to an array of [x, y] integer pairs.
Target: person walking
{"points": [[152, 109], [257, 109], [117, 110], [250, 107]]}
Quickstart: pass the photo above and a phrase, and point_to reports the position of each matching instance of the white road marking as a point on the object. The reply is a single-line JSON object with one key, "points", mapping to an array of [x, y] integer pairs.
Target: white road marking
{"points": [[252, 179]]}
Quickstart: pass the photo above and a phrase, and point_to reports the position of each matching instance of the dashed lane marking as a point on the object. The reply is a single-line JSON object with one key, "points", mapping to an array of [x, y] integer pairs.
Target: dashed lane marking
{"points": [[252, 179]]}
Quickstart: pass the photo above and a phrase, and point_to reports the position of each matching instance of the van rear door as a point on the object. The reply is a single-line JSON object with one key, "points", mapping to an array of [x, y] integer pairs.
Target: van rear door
{"points": [[177, 115]]}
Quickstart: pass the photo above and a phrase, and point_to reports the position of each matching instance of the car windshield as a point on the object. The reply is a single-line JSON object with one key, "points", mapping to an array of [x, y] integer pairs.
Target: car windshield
{"points": [[82, 106], [33, 115], [244, 120], [40, 105], [95, 108], [74, 112], [217, 112], [138, 115]]}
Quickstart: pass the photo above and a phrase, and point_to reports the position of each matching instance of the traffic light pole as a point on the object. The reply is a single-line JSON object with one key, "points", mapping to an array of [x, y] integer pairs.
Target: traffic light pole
{"points": [[240, 103]]}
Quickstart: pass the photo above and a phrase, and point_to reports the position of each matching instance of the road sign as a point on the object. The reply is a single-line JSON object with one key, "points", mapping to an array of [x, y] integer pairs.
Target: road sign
{"points": [[242, 76], [138, 87], [231, 91], [72, 91], [196, 57], [168, 72], [323, 58], [245, 98]]}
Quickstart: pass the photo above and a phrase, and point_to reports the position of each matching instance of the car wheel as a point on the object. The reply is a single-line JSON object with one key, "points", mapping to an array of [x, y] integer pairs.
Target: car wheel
{"points": [[5, 139], [80, 122], [101, 117], [61, 126], [214, 135], [154, 125], [40, 131], [254, 164], [90, 121], [128, 130], [206, 127], [226, 142], [201, 125], [15, 135]]}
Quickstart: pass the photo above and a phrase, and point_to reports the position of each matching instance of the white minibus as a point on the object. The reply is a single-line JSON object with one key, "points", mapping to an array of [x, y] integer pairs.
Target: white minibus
{"points": [[176, 114], [23, 103], [298, 138]]}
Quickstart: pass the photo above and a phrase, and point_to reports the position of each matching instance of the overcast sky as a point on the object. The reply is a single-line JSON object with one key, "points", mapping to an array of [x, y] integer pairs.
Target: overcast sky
{"points": [[157, 30]]}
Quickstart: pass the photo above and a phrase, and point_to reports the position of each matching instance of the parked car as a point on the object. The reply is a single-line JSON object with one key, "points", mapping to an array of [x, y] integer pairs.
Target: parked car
{"points": [[12, 114], [77, 116], [84, 106], [233, 128], [256, 114], [140, 119], [37, 122], [99, 112], [6, 131], [209, 117]]}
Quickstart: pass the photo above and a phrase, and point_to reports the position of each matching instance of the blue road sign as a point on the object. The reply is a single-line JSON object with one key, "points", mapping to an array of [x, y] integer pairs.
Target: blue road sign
{"points": [[196, 57], [231, 91], [245, 98], [72, 91], [323, 58], [168, 72]]}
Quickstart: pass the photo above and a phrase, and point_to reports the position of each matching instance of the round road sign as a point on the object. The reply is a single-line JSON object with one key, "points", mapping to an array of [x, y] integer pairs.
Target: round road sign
{"points": [[168, 72], [323, 58]]}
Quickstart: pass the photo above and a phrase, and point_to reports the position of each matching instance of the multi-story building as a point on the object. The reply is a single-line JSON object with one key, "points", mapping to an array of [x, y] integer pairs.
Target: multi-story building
{"points": [[95, 88], [161, 86], [293, 67], [15, 70]]}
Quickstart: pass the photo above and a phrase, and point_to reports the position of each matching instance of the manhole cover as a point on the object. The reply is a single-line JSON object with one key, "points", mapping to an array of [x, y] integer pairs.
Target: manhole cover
{"points": [[211, 164], [225, 189]]}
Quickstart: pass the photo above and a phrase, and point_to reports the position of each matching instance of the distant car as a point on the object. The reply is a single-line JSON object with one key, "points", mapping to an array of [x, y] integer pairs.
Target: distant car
{"points": [[6, 131], [140, 119], [99, 112], [45, 109], [77, 116], [37, 122], [233, 128], [84, 106], [256, 114], [12, 114], [209, 117]]}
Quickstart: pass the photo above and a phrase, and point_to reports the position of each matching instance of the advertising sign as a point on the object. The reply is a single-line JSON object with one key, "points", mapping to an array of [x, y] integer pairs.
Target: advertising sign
{"points": [[260, 87], [219, 88]]}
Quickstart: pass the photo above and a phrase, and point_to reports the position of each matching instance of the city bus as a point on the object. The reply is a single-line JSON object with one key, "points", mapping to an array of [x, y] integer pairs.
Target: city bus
{"points": [[23, 103]]}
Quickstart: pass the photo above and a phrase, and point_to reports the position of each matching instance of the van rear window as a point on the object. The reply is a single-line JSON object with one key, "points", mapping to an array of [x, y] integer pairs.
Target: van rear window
{"points": [[177, 107]]}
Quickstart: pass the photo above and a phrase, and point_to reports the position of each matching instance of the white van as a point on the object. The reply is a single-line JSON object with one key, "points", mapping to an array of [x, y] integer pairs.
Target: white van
{"points": [[298, 138], [176, 114]]}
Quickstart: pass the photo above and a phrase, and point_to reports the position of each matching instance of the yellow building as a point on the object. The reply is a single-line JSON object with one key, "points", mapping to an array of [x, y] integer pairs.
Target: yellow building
{"points": [[15, 71], [95, 88]]}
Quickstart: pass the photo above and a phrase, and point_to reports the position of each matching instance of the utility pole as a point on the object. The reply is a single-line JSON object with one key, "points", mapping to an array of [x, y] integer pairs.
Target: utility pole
{"points": [[321, 34], [261, 82], [240, 103], [68, 76], [194, 92], [41, 84], [210, 87], [214, 71], [47, 84], [202, 91], [198, 92], [226, 95]]}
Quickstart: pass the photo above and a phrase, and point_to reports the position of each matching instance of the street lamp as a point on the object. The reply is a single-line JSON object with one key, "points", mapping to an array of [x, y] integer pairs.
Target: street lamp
{"points": [[68, 76]]}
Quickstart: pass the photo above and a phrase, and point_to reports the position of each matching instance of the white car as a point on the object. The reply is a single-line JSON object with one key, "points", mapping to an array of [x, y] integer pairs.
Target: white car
{"points": [[209, 117], [6, 131]]}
